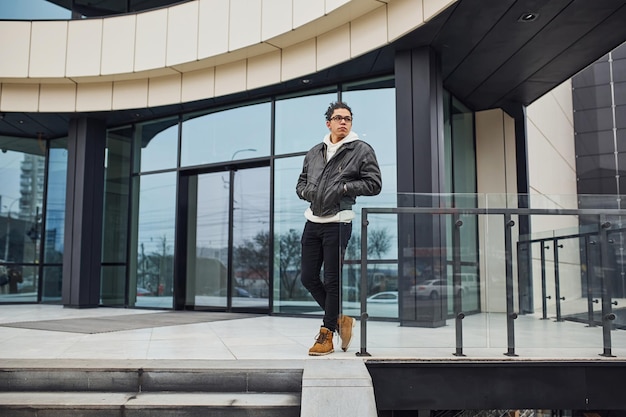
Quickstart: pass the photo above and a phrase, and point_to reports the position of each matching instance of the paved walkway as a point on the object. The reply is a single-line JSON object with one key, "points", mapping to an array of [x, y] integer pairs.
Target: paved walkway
{"points": [[282, 338]]}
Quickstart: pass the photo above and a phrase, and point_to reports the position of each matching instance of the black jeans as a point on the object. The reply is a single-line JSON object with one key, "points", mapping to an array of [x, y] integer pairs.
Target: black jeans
{"points": [[324, 244]]}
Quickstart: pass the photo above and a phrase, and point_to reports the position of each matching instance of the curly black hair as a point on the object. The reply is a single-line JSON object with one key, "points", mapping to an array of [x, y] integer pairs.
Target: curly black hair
{"points": [[337, 105]]}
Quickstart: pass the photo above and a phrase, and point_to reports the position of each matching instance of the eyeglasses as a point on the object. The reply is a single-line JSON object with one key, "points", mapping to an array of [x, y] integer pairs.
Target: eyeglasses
{"points": [[347, 119]]}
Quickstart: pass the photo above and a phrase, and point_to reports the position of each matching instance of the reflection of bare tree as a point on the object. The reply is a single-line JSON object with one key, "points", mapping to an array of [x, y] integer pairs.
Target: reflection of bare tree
{"points": [[157, 268], [252, 259], [378, 243], [290, 256], [252, 256]]}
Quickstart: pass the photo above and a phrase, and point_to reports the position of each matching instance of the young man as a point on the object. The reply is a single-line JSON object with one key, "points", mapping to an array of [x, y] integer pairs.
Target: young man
{"points": [[334, 173]]}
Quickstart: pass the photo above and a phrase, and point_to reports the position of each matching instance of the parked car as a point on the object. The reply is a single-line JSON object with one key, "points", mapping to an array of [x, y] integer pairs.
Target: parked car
{"points": [[143, 291], [435, 288], [384, 297], [237, 292]]}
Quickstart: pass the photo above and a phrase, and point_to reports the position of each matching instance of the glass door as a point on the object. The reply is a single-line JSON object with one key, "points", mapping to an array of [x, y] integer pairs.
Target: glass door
{"points": [[227, 240]]}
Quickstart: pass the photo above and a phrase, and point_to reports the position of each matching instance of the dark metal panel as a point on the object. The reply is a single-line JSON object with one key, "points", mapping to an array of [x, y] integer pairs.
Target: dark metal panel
{"points": [[467, 26], [502, 42], [498, 385], [83, 219], [606, 35]]}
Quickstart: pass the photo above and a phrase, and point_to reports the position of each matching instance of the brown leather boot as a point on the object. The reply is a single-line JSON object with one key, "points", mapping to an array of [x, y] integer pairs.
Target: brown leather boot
{"points": [[323, 344], [345, 325]]}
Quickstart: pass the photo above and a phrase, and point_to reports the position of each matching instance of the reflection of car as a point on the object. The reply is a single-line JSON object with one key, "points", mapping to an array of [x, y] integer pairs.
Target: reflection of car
{"points": [[383, 297], [237, 292], [143, 291], [433, 288]]}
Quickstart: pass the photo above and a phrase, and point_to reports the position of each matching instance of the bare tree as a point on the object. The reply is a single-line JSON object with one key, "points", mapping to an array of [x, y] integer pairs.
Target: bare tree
{"points": [[252, 255], [290, 256]]}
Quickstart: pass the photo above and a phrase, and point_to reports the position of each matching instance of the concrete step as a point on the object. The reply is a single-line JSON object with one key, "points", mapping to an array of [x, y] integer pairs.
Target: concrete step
{"points": [[205, 379], [161, 404], [184, 389]]}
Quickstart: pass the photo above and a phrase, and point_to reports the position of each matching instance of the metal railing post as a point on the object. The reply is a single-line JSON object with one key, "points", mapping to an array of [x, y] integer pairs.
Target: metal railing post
{"points": [[557, 280], [510, 314], [363, 291], [590, 300], [607, 315], [544, 296], [456, 285]]}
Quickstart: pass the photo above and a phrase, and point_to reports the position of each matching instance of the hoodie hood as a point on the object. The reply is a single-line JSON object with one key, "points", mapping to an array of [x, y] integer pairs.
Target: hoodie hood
{"points": [[332, 148], [350, 138]]}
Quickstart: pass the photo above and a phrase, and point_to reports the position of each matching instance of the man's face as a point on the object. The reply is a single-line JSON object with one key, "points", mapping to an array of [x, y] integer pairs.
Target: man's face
{"points": [[339, 129]]}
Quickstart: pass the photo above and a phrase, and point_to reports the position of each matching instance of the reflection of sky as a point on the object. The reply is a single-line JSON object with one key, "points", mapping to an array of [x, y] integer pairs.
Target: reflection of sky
{"points": [[31, 10], [224, 136]]}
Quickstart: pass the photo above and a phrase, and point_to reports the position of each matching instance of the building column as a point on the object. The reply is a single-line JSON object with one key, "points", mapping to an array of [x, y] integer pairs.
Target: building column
{"points": [[420, 156], [83, 213]]}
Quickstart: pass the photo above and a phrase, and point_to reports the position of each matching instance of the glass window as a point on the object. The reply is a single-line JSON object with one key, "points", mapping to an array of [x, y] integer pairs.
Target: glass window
{"points": [[300, 122], [52, 284], [55, 204], [21, 201], [155, 241], [373, 106], [240, 133], [374, 111], [289, 294], [158, 145], [116, 195]]}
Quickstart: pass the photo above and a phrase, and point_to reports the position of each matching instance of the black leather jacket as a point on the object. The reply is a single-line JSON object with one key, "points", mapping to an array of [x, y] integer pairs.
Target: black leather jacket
{"points": [[322, 184]]}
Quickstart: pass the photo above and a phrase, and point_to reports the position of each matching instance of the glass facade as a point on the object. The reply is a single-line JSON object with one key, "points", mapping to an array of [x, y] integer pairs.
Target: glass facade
{"points": [[227, 178]]}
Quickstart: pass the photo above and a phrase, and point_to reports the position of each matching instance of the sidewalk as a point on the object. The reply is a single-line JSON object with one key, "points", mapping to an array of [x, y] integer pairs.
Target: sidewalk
{"points": [[288, 338]]}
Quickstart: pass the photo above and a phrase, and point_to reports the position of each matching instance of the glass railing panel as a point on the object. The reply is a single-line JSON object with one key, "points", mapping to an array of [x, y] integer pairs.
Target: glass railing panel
{"points": [[476, 273]]}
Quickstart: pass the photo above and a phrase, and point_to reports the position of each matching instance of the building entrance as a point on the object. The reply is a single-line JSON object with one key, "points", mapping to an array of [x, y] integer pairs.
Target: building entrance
{"points": [[224, 240]]}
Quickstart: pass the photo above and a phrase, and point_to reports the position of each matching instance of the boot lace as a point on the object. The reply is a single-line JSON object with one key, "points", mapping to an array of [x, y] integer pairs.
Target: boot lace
{"points": [[321, 338]]}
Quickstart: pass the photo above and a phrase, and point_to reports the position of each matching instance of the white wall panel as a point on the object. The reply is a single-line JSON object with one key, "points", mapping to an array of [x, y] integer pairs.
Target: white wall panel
{"points": [[434, 7], [369, 32], [245, 23], [94, 96], [333, 47], [404, 16], [84, 48], [264, 70], [305, 11], [19, 97], [213, 28], [230, 78], [299, 60], [151, 40], [182, 33], [198, 85], [331, 5], [118, 45], [57, 97], [14, 55], [551, 142], [164, 90], [130, 94], [48, 49], [276, 18]]}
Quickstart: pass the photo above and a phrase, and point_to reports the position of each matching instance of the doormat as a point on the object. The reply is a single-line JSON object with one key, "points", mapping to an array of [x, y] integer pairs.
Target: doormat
{"points": [[92, 325]]}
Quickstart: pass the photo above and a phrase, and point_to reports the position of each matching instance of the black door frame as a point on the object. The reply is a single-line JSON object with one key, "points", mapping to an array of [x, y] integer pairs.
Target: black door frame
{"points": [[182, 223]]}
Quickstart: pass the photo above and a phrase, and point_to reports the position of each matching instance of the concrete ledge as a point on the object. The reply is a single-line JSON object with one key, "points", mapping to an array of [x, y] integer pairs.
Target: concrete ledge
{"points": [[163, 404], [337, 388]]}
